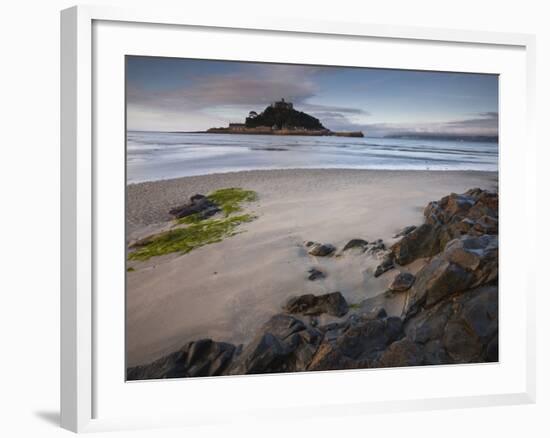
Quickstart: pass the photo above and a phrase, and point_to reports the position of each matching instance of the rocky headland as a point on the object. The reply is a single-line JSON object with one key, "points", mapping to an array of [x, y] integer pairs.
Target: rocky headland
{"points": [[449, 306]]}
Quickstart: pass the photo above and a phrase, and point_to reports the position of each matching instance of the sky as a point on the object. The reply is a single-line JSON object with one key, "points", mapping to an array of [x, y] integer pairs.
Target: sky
{"points": [[174, 94]]}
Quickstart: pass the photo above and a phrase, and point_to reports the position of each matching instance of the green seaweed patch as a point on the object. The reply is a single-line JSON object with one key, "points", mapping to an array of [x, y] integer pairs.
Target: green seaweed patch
{"points": [[186, 239], [230, 199], [194, 218], [354, 305], [130, 269]]}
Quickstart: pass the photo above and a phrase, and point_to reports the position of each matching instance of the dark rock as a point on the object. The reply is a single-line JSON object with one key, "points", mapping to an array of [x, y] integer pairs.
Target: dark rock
{"points": [[196, 359], [476, 254], [423, 241], [479, 311], [429, 324], [435, 281], [284, 344], [449, 208], [386, 265], [320, 250], [356, 243], [460, 344], [358, 346], [491, 353], [402, 282], [435, 354], [473, 213], [402, 353], [405, 231], [466, 263], [315, 274], [376, 313], [461, 329], [199, 204], [333, 303], [375, 247]]}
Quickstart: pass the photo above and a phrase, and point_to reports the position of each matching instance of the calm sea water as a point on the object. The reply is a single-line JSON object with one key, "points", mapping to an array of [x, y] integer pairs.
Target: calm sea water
{"points": [[154, 155]]}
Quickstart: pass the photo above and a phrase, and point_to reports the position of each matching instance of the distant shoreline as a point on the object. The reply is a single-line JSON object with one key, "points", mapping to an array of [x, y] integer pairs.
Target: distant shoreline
{"points": [[253, 172], [441, 137], [295, 132]]}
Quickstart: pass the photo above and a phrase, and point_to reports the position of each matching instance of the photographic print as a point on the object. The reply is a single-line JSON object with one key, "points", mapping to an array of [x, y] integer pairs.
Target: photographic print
{"points": [[293, 218]]}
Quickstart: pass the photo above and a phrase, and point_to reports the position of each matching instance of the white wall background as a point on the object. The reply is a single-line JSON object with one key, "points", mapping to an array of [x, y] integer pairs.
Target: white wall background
{"points": [[29, 215]]}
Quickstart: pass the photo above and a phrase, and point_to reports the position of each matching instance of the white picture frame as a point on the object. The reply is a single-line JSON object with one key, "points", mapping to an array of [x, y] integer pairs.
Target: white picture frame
{"points": [[79, 198]]}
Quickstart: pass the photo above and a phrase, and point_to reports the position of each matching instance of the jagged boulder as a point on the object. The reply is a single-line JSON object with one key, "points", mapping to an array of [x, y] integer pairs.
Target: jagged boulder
{"points": [[402, 282], [200, 358], [333, 303], [375, 247], [473, 213], [283, 344], [320, 249], [357, 343], [385, 265], [401, 353], [461, 329], [423, 241], [315, 274], [478, 255], [466, 263], [405, 231], [356, 243]]}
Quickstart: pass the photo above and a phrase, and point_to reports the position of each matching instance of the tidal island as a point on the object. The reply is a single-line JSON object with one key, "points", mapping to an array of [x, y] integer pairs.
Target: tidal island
{"points": [[280, 118]]}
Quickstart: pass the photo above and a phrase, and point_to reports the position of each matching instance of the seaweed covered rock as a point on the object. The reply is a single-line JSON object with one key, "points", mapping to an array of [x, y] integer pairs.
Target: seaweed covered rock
{"points": [[199, 205]]}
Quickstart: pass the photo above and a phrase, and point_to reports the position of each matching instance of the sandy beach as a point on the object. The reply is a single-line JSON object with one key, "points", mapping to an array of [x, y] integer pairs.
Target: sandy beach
{"points": [[226, 290]]}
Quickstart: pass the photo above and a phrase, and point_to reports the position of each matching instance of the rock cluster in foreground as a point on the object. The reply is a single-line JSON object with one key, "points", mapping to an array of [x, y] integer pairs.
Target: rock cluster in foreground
{"points": [[450, 313]]}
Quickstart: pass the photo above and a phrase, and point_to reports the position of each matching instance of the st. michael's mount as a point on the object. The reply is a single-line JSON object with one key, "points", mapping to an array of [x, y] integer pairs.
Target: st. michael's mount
{"points": [[280, 118]]}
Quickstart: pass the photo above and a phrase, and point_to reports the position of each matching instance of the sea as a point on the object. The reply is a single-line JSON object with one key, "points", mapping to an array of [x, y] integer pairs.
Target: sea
{"points": [[153, 156]]}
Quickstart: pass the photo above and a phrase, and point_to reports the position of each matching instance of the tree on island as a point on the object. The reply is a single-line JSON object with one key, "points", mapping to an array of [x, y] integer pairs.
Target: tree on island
{"points": [[283, 116]]}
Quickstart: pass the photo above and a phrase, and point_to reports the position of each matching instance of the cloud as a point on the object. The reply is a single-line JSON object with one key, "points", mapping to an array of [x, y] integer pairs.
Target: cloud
{"points": [[482, 124], [332, 109], [257, 87], [215, 99]]}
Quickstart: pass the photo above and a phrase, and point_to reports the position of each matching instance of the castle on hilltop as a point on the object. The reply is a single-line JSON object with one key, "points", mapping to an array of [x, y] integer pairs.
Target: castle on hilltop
{"points": [[281, 104], [280, 118]]}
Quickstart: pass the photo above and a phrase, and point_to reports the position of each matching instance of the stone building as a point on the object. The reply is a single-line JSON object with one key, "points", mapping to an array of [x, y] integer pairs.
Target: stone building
{"points": [[281, 104]]}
